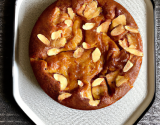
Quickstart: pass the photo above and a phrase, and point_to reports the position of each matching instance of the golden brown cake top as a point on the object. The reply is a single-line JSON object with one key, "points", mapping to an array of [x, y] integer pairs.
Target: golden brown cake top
{"points": [[86, 54]]}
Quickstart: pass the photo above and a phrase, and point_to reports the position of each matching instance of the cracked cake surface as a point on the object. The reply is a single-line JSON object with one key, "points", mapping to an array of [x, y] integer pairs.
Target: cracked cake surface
{"points": [[86, 54]]}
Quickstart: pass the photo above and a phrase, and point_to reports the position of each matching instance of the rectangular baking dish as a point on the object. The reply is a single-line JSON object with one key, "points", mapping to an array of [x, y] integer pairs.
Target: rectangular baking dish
{"points": [[41, 109]]}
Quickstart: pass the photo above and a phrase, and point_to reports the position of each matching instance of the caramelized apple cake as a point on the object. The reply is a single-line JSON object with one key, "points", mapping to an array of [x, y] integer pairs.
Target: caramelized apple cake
{"points": [[86, 54]]}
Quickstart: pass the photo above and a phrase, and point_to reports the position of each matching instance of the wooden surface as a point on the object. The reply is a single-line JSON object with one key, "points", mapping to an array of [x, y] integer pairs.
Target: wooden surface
{"points": [[10, 113]]}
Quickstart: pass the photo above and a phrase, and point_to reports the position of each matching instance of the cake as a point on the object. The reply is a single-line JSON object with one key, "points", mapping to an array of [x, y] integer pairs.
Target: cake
{"points": [[86, 54]]}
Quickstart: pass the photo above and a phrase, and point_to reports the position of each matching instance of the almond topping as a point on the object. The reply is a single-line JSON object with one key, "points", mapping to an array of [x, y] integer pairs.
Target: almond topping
{"points": [[78, 53], [53, 52], [97, 82], [132, 41], [134, 51], [111, 77], [123, 43], [88, 26], [98, 91], [121, 19], [81, 10], [128, 66], [56, 35], [62, 80], [56, 15], [58, 43], [95, 14], [131, 29], [80, 83], [96, 55], [94, 102], [86, 45], [43, 39], [104, 27], [71, 13], [120, 80], [68, 23], [118, 30], [90, 9], [63, 96]]}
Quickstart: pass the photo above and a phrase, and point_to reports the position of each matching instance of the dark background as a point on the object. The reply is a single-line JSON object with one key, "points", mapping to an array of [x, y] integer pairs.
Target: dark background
{"points": [[10, 113]]}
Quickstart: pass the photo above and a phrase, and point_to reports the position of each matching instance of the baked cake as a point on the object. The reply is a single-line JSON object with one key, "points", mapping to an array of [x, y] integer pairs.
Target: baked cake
{"points": [[86, 54]]}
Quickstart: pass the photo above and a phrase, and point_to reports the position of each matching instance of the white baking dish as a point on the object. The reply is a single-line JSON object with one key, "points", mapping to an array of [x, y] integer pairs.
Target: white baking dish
{"points": [[43, 110]]}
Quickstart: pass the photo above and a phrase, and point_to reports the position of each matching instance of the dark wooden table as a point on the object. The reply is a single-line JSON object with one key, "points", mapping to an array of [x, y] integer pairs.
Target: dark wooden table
{"points": [[10, 112]]}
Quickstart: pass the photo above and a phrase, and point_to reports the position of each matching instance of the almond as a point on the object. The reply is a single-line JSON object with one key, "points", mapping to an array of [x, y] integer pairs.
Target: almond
{"points": [[53, 52], [97, 92], [63, 96], [86, 45], [58, 43], [111, 77], [131, 29], [121, 80], [56, 35], [78, 53], [90, 9], [80, 83], [97, 82], [96, 55], [56, 15], [132, 41], [121, 19], [123, 43], [104, 27], [118, 30], [128, 66], [43, 39], [71, 13], [81, 10], [95, 14], [134, 51], [68, 23], [94, 102], [62, 80], [88, 26]]}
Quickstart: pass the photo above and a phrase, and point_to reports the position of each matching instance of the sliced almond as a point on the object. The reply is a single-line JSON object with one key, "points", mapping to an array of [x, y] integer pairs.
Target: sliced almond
{"points": [[128, 66], [97, 82], [71, 13], [98, 91], [111, 77], [86, 45], [123, 43], [53, 52], [78, 53], [134, 51], [90, 9], [131, 29], [81, 10], [80, 83], [121, 19], [131, 56], [132, 41], [95, 14], [58, 43], [56, 15], [56, 35], [104, 27], [63, 96], [96, 55], [62, 80], [118, 30], [68, 23], [88, 26], [94, 102], [43, 39], [121, 80]]}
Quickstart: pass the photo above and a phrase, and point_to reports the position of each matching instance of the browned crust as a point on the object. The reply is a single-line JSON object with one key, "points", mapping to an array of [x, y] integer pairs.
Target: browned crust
{"points": [[37, 52]]}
